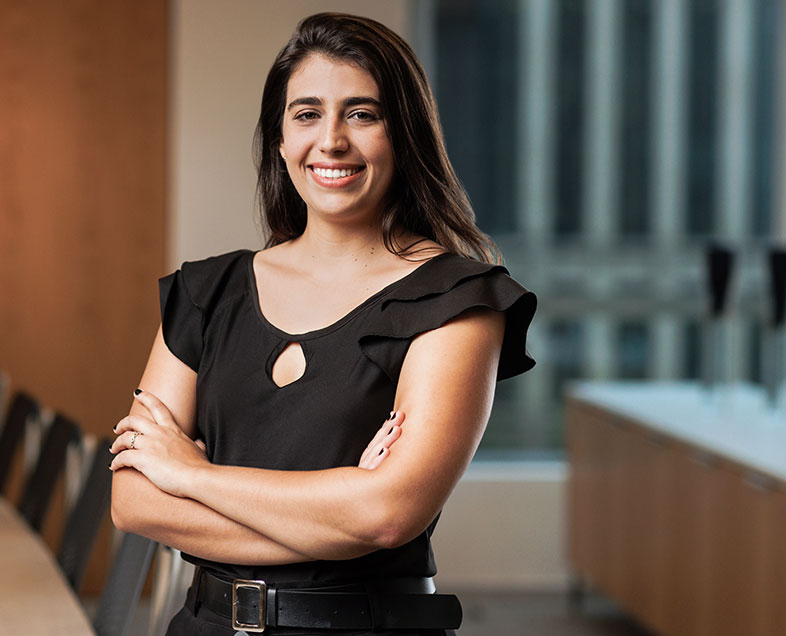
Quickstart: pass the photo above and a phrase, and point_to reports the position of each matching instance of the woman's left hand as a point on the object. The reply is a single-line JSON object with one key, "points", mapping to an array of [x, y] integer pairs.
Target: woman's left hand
{"points": [[157, 447], [378, 449]]}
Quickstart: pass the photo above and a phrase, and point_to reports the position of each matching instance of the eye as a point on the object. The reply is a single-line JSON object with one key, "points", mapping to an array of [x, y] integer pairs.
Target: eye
{"points": [[307, 115], [363, 115]]}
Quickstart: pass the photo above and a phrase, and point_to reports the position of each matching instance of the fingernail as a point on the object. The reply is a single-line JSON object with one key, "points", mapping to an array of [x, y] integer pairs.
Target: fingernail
{"points": [[392, 415], [114, 429], [110, 466], [382, 451], [391, 430], [137, 391]]}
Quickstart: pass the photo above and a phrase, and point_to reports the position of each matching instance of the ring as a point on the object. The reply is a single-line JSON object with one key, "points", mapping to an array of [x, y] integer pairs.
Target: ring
{"points": [[133, 439]]}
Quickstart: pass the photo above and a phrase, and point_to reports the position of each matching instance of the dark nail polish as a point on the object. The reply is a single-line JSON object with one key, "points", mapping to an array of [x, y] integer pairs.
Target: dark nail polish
{"points": [[137, 391], [391, 430], [382, 451]]}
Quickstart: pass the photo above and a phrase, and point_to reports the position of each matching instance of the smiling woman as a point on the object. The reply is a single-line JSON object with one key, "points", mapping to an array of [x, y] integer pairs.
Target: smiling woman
{"points": [[337, 150], [254, 443]]}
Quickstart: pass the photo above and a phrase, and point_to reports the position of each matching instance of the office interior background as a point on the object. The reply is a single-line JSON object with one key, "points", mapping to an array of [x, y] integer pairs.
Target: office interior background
{"points": [[604, 145]]}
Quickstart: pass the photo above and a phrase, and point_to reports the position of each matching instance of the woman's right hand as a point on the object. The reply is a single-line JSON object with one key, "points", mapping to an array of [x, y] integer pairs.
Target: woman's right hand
{"points": [[378, 448]]}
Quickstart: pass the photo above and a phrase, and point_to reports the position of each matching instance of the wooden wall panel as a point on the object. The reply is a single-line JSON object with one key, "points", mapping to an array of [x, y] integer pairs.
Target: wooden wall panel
{"points": [[82, 198]]}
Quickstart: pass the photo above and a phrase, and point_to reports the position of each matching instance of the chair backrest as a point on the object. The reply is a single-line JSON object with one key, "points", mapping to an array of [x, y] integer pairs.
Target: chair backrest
{"points": [[22, 408], [40, 485], [121, 592], [86, 516]]}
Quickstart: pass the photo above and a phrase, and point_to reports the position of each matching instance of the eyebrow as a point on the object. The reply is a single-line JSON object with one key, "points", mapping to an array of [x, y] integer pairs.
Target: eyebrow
{"points": [[349, 101]]}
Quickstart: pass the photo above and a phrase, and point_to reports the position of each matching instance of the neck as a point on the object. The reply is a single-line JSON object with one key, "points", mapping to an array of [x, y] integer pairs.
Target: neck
{"points": [[336, 243]]}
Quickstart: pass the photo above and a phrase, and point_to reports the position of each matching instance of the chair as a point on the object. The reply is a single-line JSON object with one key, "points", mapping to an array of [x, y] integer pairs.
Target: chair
{"points": [[121, 592], [172, 578], [86, 516], [40, 485], [22, 408]]}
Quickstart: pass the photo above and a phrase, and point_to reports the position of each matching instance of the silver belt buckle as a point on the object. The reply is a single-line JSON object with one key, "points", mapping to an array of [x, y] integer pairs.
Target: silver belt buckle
{"points": [[261, 588]]}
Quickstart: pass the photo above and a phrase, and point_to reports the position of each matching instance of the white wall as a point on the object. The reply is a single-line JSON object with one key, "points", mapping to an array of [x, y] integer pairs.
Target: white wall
{"points": [[503, 527]]}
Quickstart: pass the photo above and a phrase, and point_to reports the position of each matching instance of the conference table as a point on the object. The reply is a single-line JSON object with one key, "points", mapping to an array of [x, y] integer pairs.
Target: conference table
{"points": [[35, 598]]}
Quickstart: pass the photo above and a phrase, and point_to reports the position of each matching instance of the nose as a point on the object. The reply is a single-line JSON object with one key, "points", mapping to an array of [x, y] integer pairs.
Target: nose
{"points": [[333, 137]]}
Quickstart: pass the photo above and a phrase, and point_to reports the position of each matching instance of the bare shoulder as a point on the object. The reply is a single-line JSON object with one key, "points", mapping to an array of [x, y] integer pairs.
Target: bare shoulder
{"points": [[415, 251], [279, 268], [418, 248], [278, 257]]}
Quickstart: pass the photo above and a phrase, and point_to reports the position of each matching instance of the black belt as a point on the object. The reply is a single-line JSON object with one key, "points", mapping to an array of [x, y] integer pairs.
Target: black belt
{"points": [[387, 605]]}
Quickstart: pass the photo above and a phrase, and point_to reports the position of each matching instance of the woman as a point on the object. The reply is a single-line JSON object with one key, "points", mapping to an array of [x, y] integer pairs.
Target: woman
{"points": [[365, 304]]}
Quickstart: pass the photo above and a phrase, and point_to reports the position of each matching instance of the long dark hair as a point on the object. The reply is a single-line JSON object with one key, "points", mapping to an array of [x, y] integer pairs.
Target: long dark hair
{"points": [[425, 197]]}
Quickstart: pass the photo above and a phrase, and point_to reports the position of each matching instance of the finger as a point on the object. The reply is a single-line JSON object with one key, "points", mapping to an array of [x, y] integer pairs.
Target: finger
{"points": [[382, 431], [373, 448], [127, 459], [135, 423], [161, 414], [395, 418], [376, 460], [125, 441], [371, 454], [389, 439]]}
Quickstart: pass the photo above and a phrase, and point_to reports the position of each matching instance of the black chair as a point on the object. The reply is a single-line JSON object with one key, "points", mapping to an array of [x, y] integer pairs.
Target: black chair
{"points": [[40, 485], [86, 516], [22, 408], [121, 592]]}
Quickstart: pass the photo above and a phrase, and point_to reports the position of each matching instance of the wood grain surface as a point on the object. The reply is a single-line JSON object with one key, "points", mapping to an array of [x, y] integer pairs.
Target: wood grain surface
{"points": [[35, 598], [82, 202]]}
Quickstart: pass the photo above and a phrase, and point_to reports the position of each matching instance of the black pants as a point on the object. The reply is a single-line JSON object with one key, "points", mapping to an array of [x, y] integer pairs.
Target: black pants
{"points": [[207, 623]]}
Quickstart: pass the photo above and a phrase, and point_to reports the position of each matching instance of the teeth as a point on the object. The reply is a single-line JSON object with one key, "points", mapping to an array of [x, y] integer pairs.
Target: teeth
{"points": [[327, 173]]}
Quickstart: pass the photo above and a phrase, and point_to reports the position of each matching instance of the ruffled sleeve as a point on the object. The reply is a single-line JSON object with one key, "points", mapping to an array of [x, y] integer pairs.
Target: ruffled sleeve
{"points": [[190, 295], [181, 320], [447, 287]]}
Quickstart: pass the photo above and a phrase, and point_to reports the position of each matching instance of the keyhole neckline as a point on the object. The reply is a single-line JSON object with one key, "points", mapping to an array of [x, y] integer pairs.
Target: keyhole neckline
{"points": [[275, 355], [323, 331]]}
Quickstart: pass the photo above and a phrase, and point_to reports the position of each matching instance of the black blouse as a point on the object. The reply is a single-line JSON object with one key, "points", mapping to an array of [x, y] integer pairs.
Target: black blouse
{"points": [[212, 322]]}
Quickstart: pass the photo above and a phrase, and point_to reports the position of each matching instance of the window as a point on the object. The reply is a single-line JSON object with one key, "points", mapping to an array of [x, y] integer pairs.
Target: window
{"points": [[603, 145]]}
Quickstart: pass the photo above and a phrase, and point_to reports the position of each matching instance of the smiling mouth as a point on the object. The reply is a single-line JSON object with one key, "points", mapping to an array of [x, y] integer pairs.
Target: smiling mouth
{"points": [[335, 173]]}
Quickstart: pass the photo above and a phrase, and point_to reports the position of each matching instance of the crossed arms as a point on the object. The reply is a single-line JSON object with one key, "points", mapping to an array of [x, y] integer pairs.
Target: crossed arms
{"points": [[166, 489]]}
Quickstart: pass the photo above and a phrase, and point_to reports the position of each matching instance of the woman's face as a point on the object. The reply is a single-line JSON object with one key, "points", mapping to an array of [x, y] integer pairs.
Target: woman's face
{"points": [[334, 140]]}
